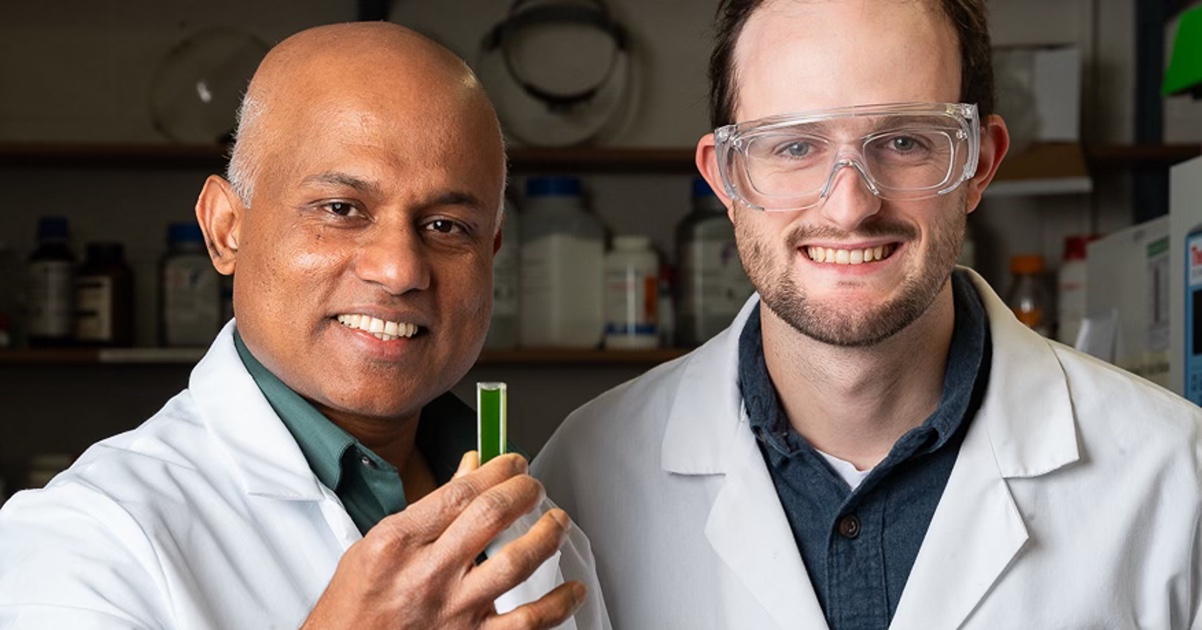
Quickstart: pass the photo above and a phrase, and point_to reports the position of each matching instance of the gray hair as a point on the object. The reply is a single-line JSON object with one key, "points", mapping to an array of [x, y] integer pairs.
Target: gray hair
{"points": [[246, 161]]}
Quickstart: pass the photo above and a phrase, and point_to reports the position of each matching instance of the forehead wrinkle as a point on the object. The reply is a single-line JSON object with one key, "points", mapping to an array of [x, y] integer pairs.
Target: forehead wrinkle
{"points": [[347, 180]]}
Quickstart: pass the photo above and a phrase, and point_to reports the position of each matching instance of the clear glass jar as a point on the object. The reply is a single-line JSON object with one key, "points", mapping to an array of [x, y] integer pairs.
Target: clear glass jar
{"points": [[1028, 295]]}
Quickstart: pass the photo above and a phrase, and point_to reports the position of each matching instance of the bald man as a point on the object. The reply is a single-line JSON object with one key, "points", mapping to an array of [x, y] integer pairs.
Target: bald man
{"points": [[314, 471]]}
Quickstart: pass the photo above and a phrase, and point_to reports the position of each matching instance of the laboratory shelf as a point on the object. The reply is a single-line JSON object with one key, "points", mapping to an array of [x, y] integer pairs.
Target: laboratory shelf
{"points": [[189, 356]]}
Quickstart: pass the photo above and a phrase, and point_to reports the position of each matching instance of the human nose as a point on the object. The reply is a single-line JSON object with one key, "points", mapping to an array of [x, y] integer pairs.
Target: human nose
{"points": [[848, 197], [394, 259]]}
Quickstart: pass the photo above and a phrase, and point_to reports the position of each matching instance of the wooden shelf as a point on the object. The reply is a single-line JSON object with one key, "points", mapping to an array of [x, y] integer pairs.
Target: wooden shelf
{"points": [[1117, 156], [189, 356]]}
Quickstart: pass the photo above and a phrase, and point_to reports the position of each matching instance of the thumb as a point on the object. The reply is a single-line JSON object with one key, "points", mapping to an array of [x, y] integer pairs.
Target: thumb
{"points": [[470, 462]]}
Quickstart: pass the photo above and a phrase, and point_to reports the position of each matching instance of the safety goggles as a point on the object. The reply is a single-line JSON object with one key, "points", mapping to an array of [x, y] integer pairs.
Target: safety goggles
{"points": [[903, 151]]}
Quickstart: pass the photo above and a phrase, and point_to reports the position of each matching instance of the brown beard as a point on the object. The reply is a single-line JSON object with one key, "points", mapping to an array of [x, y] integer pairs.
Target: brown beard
{"points": [[788, 301]]}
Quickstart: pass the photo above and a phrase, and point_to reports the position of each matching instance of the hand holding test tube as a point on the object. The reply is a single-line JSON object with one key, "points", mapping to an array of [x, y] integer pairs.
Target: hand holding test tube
{"points": [[492, 418]]}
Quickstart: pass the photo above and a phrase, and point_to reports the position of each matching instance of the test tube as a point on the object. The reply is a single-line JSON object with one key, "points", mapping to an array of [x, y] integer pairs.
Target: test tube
{"points": [[492, 420]]}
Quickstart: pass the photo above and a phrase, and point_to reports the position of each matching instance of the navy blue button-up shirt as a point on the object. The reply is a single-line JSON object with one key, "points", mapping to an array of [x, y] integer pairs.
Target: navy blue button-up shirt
{"points": [[859, 546]]}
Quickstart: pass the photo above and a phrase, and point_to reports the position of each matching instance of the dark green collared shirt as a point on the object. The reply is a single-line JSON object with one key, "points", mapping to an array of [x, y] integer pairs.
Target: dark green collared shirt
{"points": [[369, 487]]}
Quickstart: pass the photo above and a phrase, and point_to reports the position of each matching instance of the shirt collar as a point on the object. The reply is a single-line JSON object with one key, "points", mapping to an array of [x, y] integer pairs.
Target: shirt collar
{"points": [[445, 431], [322, 442], [964, 380]]}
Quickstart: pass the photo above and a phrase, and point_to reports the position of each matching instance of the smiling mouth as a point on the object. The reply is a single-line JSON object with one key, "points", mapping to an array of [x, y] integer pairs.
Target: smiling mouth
{"points": [[849, 256], [382, 329]]}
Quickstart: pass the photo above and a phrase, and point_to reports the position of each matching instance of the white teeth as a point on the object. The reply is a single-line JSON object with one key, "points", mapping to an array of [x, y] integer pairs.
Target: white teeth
{"points": [[381, 329], [849, 256]]}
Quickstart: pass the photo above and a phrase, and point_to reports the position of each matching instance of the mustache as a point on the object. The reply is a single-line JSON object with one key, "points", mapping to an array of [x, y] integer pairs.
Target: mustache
{"points": [[873, 228]]}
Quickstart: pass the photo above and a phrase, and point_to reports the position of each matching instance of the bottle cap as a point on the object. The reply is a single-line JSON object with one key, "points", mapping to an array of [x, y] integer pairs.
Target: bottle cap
{"points": [[1026, 263], [701, 188], [52, 228], [632, 242], [1075, 247], [184, 232], [557, 186]]}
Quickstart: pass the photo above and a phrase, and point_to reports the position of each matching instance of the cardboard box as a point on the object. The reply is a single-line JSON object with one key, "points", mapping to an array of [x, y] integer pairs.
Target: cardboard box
{"points": [[1039, 92], [1126, 301]]}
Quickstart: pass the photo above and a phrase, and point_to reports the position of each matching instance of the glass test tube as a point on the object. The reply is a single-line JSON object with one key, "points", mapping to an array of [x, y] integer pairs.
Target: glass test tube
{"points": [[492, 419]]}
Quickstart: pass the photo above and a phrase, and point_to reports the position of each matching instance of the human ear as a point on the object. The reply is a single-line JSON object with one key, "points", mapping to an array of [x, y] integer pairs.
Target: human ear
{"points": [[995, 141], [220, 211], [706, 159]]}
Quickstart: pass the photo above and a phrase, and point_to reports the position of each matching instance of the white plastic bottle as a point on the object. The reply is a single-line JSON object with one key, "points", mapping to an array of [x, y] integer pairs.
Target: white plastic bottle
{"points": [[631, 294], [506, 269], [713, 285], [1070, 290], [190, 292], [563, 253]]}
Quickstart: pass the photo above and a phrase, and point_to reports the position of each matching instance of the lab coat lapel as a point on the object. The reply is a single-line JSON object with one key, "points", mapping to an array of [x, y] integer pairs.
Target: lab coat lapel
{"points": [[258, 446], [1024, 428], [707, 433]]}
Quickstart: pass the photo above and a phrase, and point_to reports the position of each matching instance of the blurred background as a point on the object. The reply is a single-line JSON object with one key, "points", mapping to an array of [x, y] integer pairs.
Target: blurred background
{"points": [[113, 112]]}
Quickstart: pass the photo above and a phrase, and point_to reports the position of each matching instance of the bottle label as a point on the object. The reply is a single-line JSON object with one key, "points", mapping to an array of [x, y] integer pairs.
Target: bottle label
{"points": [[631, 302], [562, 291], [94, 308], [714, 283], [505, 270], [50, 295], [191, 301]]}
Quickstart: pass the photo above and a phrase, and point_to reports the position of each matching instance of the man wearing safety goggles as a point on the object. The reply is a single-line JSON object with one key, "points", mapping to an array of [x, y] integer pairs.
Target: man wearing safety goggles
{"points": [[876, 441]]}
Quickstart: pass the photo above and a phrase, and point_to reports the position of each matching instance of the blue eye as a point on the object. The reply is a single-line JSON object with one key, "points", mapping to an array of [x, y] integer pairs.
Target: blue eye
{"points": [[796, 149]]}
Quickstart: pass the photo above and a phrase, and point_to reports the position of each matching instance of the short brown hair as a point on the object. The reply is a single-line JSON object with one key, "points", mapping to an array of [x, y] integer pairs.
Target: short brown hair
{"points": [[969, 17]]}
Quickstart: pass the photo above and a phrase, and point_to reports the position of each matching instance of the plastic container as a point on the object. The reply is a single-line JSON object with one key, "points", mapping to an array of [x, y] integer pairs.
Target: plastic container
{"points": [[51, 274], [506, 272], [713, 285], [631, 294], [1070, 290], [189, 291], [104, 297], [562, 260], [667, 306], [1028, 294]]}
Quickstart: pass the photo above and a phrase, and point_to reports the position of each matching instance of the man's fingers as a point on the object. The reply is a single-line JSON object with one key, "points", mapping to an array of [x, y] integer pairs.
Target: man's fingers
{"points": [[426, 520], [469, 462], [489, 515], [516, 561], [552, 610]]}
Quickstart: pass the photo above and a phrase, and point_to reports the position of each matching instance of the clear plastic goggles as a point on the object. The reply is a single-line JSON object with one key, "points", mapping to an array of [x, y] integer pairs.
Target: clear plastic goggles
{"points": [[903, 151]]}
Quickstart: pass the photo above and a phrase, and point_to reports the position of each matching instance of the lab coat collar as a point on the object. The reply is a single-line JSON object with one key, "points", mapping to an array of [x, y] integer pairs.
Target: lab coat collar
{"points": [[1024, 428], [261, 451], [1026, 412]]}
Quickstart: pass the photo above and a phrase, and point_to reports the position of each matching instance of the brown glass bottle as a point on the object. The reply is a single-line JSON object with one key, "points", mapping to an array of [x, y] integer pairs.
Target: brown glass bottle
{"points": [[104, 298]]}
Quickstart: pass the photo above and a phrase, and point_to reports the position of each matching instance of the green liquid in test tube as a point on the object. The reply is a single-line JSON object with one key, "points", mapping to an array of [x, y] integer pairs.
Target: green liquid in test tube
{"points": [[492, 420]]}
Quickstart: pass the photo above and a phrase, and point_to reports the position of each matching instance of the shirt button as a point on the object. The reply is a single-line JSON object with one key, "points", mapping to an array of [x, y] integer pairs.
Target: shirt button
{"points": [[849, 527]]}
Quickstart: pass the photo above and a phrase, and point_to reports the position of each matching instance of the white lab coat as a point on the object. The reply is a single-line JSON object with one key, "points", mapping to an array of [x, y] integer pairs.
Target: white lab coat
{"points": [[206, 516], [1073, 504]]}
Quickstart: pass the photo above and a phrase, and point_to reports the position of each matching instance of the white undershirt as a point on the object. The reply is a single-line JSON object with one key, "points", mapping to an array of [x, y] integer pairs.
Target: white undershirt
{"points": [[846, 470]]}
